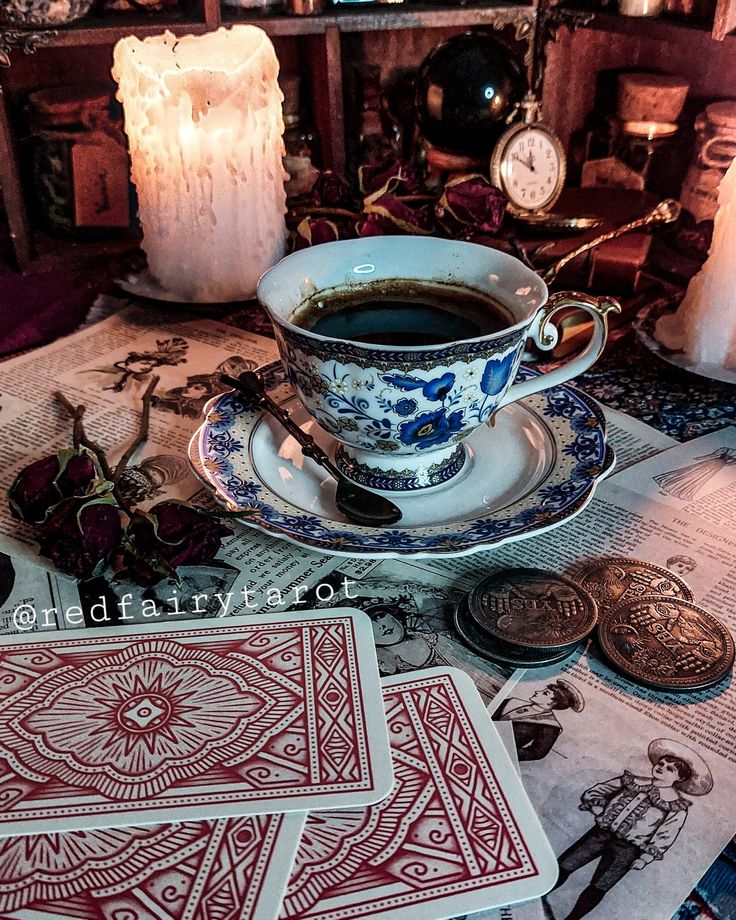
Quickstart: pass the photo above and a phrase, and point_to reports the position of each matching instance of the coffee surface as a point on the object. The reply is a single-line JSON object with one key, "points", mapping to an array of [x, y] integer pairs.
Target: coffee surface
{"points": [[403, 313]]}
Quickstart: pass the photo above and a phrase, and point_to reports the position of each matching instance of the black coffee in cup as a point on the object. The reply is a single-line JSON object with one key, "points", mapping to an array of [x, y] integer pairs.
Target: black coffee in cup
{"points": [[403, 313]]}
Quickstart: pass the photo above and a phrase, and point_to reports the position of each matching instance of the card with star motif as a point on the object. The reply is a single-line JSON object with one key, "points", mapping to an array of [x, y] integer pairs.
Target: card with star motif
{"points": [[261, 714], [234, 868], [457, 833]]}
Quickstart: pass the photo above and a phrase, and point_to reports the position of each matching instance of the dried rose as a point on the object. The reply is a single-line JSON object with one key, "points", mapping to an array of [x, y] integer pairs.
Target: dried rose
{"points": [[398, 216], [404, 177], [41, 485], [375, 225], [169, 535], [81, 533], [470, 201], [331, 191], [314, 230]]}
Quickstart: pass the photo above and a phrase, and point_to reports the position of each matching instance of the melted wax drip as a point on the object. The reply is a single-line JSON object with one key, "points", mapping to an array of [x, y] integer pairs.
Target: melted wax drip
{"points": [[204, 125]]}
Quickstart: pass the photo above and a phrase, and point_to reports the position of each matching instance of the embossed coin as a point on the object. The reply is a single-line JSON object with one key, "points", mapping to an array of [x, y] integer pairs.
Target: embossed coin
{"points": [[666, 642], [533, 608], [616, 579], [498, 652]]}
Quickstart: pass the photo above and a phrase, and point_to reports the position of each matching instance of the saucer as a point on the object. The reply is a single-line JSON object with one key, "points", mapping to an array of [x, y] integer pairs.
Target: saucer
{"points": [[644, 325], [537, 467]]}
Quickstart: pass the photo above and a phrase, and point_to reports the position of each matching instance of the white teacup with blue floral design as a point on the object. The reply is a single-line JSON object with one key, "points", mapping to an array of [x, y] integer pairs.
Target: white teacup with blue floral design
{"points": [[398, 413]]}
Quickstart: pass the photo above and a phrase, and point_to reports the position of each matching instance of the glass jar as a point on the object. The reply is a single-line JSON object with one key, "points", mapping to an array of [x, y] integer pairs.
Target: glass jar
{"points": [[714, 152], [80, 161]]}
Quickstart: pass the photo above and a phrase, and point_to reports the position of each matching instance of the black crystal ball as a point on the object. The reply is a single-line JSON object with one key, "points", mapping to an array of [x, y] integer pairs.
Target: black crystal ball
{"points": [[465, 89]]}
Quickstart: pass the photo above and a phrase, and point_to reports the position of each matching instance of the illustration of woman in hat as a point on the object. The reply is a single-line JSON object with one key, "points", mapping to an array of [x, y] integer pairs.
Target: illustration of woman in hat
{"points": [[190, 399], [535, 725], [135, 369], [637, 819]]}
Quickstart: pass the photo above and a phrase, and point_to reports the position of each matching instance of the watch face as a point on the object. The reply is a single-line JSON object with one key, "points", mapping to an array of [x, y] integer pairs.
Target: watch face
{"points": [[531, 168]]}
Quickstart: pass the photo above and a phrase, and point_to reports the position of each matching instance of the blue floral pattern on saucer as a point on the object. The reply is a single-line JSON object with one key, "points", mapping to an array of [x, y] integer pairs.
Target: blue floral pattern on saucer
{"points": [[579, 459]]}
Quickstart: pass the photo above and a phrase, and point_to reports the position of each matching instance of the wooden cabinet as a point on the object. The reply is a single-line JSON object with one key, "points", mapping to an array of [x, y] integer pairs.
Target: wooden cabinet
{"points": [[327, 48], [320, 47]]}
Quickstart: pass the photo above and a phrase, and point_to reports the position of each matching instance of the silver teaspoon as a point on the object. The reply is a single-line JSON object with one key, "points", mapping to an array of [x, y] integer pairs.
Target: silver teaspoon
{"points": [[357, 504]]}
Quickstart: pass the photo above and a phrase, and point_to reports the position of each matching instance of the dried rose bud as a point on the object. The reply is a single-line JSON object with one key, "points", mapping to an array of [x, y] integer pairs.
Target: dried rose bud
{"points": [[81, 533], [470, 201], [43, 484], [169, 535]]}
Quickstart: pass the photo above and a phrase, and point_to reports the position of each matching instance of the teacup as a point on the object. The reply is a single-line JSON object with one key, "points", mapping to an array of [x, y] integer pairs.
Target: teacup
{"points": [[400, 414]]}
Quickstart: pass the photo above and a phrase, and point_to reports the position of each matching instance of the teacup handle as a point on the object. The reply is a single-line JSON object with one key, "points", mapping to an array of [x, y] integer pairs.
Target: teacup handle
{"points": [[545, 337]]}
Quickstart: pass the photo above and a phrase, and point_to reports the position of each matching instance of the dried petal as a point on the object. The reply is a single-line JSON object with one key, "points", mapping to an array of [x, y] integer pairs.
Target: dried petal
{"points": [[403, 216], [169, 535], [314, 230], [403, 177], [80, 534], [470, 201]]}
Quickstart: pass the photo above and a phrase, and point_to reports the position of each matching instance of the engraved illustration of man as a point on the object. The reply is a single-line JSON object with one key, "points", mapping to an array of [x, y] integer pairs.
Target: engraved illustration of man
{"points": [[137, 366], [681, 565], [637, 819], [687, 481], [535, 725], [190, 399]]}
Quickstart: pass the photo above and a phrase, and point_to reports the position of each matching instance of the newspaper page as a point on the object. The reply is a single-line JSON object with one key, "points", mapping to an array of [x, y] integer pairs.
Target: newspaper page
{"points": [[107, 366], [613, 734], [632, 440]]}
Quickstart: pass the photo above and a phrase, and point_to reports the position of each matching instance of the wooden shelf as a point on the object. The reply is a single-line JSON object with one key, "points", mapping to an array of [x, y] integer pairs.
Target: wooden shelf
{"points": [[666, 29], [99, 31], [96, 30]]}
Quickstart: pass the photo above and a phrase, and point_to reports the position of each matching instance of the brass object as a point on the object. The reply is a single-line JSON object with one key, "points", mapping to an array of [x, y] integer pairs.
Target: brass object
{"points": [[613, 580], [665, 212], [666, 642], [558, 223], [533, 609]]}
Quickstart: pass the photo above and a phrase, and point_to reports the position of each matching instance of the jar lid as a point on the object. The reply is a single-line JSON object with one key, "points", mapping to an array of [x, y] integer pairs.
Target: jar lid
{"points": [[722, 113], [66, 105]]}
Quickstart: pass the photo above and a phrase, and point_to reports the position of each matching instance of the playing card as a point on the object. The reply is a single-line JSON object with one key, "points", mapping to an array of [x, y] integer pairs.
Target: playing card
{"points": [[456, 834], [234, 868], [134, 726]]}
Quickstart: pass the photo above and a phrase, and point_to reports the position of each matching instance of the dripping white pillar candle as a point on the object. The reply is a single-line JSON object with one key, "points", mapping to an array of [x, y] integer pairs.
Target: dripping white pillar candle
{"points": [[204, 125], [704, 325]]}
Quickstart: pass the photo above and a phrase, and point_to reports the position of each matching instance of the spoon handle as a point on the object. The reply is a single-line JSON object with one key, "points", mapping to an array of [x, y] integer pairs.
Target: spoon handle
{"points": [[665, 212], [251, 385]]}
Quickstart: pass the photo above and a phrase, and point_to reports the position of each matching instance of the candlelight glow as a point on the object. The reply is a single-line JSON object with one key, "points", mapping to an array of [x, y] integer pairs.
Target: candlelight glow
{"points": [[204, 125]]}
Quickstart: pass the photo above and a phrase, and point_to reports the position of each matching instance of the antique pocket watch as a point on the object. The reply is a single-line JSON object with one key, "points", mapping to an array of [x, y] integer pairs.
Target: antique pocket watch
{"points": [[528, 164]]}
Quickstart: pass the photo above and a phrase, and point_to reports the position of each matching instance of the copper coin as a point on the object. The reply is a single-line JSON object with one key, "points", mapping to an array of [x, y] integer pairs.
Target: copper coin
{"points": [[666, 642], [533, 608], [614, 580], [485, 646]]}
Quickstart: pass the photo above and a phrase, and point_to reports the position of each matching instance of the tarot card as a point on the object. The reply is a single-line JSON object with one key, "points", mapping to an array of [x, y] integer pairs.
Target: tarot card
{"points": [[234, 868], [456, 834], [136, 726]]}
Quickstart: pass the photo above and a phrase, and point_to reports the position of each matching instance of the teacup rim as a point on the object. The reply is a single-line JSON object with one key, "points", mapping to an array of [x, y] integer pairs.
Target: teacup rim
{"points": [[374, 347]]}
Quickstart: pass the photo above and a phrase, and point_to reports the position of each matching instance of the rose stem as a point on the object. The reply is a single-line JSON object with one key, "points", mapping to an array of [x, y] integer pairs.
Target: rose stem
{"points": [[80, 435], [142, 436]]}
